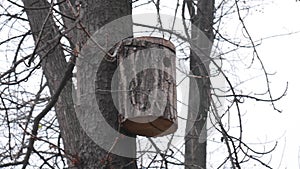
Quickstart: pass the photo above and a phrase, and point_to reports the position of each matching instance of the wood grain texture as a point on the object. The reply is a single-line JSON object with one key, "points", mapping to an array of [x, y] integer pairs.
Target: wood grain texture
{"points": [[147, 86]]}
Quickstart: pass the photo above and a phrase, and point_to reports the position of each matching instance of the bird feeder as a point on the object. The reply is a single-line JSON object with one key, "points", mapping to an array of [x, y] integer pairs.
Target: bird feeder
{"points": [[144, 86]]}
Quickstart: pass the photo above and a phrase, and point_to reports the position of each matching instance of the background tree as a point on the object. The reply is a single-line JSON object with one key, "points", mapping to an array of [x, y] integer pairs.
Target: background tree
{"points": [[201, 15], [60, 29]]}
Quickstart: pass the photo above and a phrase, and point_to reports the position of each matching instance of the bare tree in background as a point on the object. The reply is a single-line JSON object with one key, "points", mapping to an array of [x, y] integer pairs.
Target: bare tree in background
{"points": [[38, 119], [202, 16]]}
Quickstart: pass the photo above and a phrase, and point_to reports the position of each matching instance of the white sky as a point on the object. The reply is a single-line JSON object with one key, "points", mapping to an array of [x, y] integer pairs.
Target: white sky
{"points": [[281, 55]]}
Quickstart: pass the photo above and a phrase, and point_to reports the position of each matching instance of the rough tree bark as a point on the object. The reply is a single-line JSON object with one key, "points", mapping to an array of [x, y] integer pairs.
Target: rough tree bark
{"points": [[80, 150], [149, 109], [202, 15]]}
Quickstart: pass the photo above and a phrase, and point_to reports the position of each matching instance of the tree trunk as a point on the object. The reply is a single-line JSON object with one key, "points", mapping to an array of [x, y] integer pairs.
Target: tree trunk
{"points": [[202, 19], [80, 150]]}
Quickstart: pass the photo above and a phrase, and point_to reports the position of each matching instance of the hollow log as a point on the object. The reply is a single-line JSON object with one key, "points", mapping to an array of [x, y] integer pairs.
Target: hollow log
{"points": [[144, 85]]}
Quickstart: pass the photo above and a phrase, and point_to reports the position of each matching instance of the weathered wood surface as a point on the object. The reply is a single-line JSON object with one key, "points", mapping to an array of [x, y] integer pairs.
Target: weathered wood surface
{"points": [[144, 86]]}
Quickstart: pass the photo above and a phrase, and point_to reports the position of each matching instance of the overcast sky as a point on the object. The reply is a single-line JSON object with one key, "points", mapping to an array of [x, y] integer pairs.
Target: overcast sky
{"points": [[280, 55]]}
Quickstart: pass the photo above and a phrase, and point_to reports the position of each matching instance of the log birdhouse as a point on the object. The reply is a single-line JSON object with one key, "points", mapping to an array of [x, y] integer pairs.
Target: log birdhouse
{"points": [[144, 86]]}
